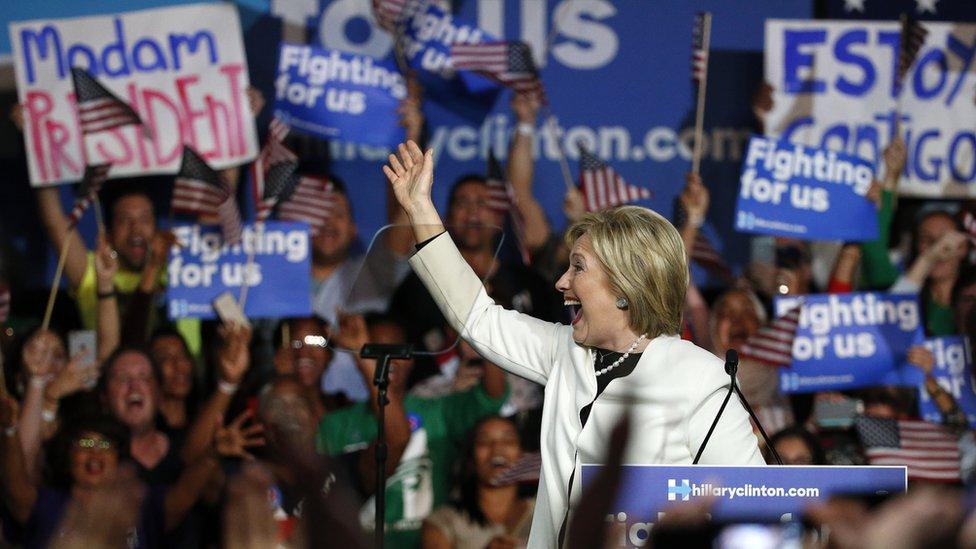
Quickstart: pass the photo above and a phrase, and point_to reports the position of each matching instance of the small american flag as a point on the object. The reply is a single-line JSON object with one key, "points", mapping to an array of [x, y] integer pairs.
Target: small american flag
{"points": [[199, 190], [773, 343], [390, 14], [929, 450], [699, 46], [602, 187], [508, 63], [501, 198], [91, 183], [913, 35], [312, 202], [273, 171], [98, 108], [4, 305], [525, 469]]}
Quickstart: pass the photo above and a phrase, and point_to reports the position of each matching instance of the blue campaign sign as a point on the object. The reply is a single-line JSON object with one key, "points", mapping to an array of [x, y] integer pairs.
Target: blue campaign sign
{"points": [[273, 259], [428, 37], [751, 493], [802, 192], [953, 370], [845, 341], [335, 95]]}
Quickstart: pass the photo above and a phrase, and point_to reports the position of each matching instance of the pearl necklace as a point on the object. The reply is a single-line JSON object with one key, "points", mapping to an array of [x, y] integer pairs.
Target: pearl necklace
{"points": [[622, 358]]}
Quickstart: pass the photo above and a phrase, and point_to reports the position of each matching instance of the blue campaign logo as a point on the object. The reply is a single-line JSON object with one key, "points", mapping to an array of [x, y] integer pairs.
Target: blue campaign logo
{"points": [[676, 490], [336, 95], [738, 494], [813, 194], [846, 341]]}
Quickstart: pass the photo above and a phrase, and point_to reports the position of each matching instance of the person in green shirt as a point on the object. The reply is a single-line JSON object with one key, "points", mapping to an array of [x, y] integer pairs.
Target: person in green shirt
{"points": [[438, 427], [132, 234], [938, 248]]}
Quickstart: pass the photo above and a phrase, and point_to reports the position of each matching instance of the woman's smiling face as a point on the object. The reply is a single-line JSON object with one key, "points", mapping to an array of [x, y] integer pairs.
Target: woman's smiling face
{"points": [[586, 287]]}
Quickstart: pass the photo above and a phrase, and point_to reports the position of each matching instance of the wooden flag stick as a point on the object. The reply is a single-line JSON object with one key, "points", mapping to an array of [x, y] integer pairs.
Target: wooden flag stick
{"points": [[99, 219], [242, 297], [57, 280], [702, 86], [554, 135]]}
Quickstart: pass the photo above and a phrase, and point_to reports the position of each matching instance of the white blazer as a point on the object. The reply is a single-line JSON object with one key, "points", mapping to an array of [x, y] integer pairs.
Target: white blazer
{"points": [[673, 393]]}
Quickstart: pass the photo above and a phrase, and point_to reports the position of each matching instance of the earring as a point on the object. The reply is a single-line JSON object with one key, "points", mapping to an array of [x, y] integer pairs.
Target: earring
{"points": [[622, 303]]}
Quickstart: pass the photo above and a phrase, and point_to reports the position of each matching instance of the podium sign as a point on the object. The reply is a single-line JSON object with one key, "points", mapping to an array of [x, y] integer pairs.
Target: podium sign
{"points": [[741, 494]]}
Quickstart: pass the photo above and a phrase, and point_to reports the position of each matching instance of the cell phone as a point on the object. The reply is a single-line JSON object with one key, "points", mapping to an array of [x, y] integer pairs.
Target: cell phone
{"points": [[229, 311], [837, 414], [84, 342]]}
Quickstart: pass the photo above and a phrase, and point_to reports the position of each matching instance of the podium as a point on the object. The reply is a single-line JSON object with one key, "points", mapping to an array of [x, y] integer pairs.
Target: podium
{"points": [[757, 494]]}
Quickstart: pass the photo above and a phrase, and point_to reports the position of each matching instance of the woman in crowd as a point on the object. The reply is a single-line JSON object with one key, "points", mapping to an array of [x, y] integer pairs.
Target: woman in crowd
{"points": [[177, 405], [627, 278], [797, 446], [485, 513]]}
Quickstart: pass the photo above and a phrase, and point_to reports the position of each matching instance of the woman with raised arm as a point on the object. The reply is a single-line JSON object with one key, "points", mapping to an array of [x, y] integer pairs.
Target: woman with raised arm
{"points": [[627, 279]]}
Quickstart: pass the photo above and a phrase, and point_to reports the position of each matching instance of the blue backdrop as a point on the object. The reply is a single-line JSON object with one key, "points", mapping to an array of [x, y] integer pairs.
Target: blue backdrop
{"points": [[617, 76]]}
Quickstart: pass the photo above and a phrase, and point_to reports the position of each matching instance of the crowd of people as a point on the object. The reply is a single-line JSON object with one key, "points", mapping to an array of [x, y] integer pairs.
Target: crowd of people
{"points": [[193, 433]]}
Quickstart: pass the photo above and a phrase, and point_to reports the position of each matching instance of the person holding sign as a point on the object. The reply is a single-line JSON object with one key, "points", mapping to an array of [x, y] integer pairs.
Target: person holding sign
{"points": [[627, 280]]}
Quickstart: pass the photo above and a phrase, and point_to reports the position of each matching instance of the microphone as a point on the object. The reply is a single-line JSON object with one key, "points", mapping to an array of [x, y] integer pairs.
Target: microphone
{"points": [[731, 368]]}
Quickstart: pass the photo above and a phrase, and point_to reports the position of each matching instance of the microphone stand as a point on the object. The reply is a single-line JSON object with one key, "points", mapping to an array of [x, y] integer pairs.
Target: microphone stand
{"points": [[731, 368], [382, 353]]}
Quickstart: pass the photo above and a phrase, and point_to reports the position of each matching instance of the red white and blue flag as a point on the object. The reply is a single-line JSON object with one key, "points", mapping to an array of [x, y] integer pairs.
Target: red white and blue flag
{"points": [[509, 63], [313, 202], [98, 108], [602, 186], [199, 190], [91, 183]]}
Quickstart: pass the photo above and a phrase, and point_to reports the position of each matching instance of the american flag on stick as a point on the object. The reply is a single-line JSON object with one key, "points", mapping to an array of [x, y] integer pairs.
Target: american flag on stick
{"points": [[509, 63], [98, 108], [929, 450], [602, 187], [91, 183], [199, 190], [699, 46], [313, 202], [525, 469], [390, 14], [773, 343], [273, 171], [913, 35], [501, 198]]}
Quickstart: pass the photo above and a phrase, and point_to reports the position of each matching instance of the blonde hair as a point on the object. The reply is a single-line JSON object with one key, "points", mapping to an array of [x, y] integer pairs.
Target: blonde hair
{"points": [[644, 258]]}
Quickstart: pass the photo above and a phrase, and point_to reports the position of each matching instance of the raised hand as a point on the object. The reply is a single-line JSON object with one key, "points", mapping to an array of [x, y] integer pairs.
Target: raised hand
{"points": [[573, 205], [694, 197], [920, 356], [72, 378], [895, 156], [412, 175], [43, 354], [352, 332], [951, 245], [106, 265], [526, 106], [235, 356], [233, 440]]}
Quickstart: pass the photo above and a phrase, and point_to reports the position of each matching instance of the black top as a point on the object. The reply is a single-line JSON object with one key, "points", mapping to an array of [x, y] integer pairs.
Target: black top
{"points": [[622, 370]]}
